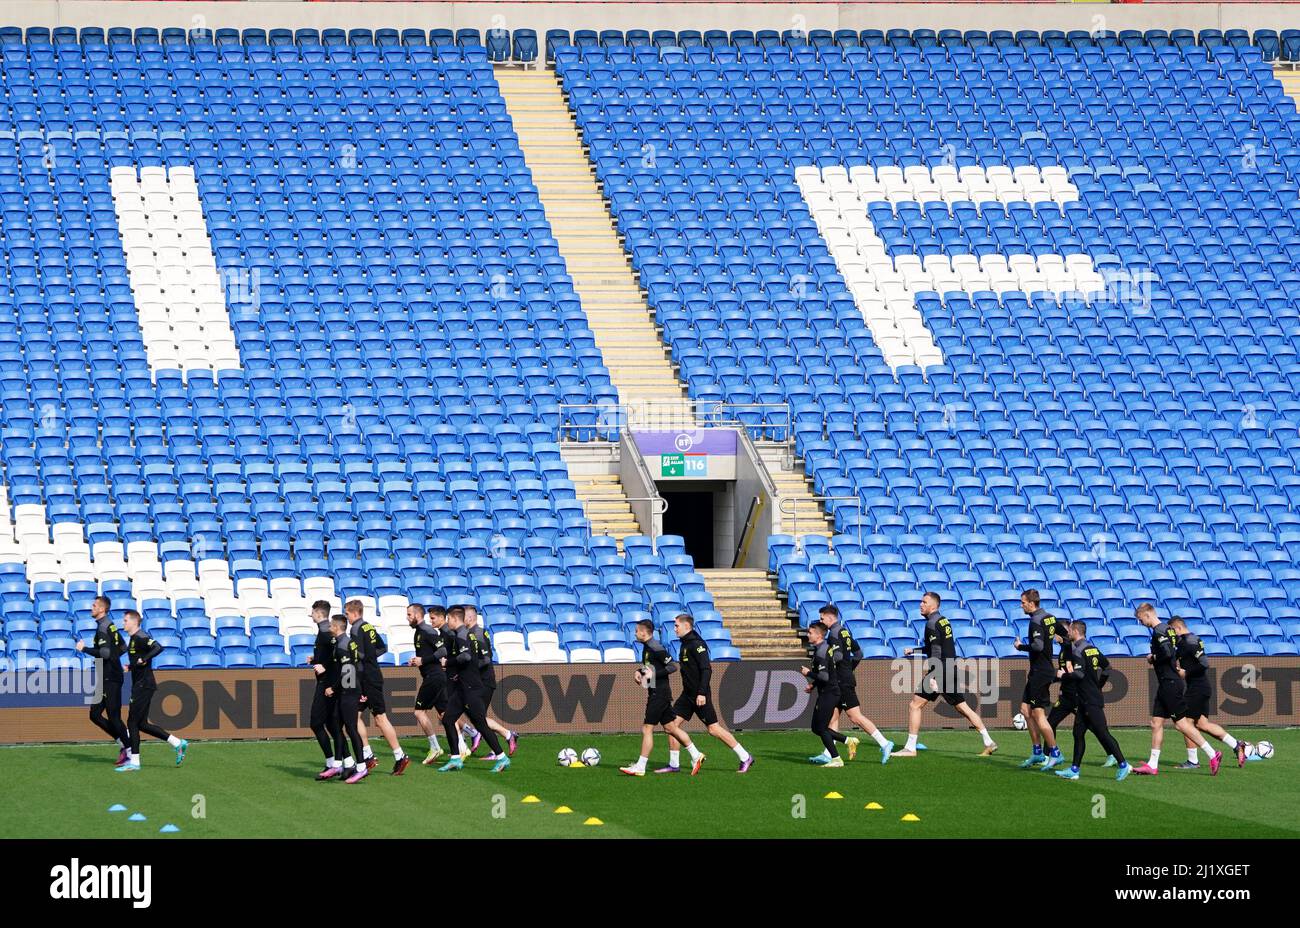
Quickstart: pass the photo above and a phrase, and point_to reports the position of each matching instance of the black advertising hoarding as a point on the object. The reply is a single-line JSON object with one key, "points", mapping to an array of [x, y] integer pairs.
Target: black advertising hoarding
{"points": [[603, 698]]}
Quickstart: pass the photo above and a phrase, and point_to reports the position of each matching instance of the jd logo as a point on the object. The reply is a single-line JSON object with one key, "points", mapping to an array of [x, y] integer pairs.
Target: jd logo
{"points": [[764, 698]]}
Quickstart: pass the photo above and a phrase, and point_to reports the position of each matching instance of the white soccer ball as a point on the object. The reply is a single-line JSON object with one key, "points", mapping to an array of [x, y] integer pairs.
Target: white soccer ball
{"points": [[1264, 749], [1018, 722], [591, 757], [567, 758]]}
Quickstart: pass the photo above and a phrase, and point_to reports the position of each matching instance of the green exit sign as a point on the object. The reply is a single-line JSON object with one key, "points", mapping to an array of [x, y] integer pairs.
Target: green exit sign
{"points": [[672, 465]]}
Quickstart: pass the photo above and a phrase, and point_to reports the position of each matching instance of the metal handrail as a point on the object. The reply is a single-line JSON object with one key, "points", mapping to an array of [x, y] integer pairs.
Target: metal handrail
{"points": [[823, 500], [747, 533], [662, 507], [613, 417]]}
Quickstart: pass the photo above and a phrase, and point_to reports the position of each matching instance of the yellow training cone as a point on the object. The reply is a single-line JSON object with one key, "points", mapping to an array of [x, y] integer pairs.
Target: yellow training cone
{"points": [[910, 817], [874, 806], [593, 821], [530, 798], [832, 795], [563, 810]]}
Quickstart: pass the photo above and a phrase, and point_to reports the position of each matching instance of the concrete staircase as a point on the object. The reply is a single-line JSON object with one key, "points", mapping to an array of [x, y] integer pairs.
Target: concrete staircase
{"points": [[759, 624], [611, 295], [806, 515], [606, 505], [1290, 78]]}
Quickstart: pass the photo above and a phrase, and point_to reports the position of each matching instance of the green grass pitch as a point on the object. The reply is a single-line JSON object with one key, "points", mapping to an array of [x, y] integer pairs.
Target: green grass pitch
{"points": [[265, 789]]}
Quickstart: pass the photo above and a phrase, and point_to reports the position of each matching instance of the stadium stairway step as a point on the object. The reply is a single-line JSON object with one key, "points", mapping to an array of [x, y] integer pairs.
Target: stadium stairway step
{"points": [[759, 623], [606, 505], [620, 319], [1290, 78], [802, 513]]}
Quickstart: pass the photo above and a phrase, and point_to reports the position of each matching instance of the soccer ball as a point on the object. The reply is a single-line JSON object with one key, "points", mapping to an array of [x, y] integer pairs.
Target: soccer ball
{"points": [[1264, 749], [567, 758], [591, 757], [1018, 722]]}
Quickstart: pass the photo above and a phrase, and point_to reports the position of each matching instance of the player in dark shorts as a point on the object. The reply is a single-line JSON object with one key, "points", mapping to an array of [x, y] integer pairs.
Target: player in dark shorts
{"points": [[1199, 696], [696, 699], [848, 654], [1170, 699], [465, 694], [1089, 669], [824, 679], [343, 683], [1037, 698], [140, 652], [482, 640], [430, 651], [372, 646], [656, 666], [938, 678]]}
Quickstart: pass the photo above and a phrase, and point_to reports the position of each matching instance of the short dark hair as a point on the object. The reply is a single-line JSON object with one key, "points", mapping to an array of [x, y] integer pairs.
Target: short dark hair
{"points": [[456, 612], [829, 609], [820, 626], [647, 625], [339, 617], [131, 614], [101, 598], [1031, 595], [687, 618], [419, 609], [435, 609], [1179, 620], [321, 605], [1082, 626], [933, 595]]}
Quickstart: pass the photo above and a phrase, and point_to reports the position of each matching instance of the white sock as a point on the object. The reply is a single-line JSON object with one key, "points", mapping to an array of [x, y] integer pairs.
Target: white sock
{"points": [[1154, 761], [366, 753], [135, 758], [674, 758], [1209, 751], [349, 763], [984, 733], [640, 763], [1230, 741], [692, 750], [398, 753], [880, 739], [1191, 755], [911, 743], [433, 743], [334, 762], [464, 745], [174, 741], [741, 752]]}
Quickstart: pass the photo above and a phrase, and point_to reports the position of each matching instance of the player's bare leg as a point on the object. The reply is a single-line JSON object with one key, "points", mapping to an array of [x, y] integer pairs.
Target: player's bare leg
{"points": [[647, 745], [914, 709], [678, 734], [1045, 733], [1190, 733], [990, 746]]}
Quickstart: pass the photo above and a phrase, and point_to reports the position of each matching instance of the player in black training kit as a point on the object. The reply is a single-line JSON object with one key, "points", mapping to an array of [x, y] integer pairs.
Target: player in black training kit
{"points": [[343, 682], [1067, 702], [324, 720], [656, 666], [140, 652], [465, 692], [1088, 667], [1170, 701], [697, 698], [848, 655], [488, 674], [372, 647], [1192, 667], [1038, 687], [824, 677], [939, 678], [430, 651], [107, 647]]}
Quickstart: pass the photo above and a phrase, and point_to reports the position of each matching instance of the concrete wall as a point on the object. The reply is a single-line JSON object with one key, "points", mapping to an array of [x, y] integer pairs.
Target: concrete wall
{"points": [[650, 15]]}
